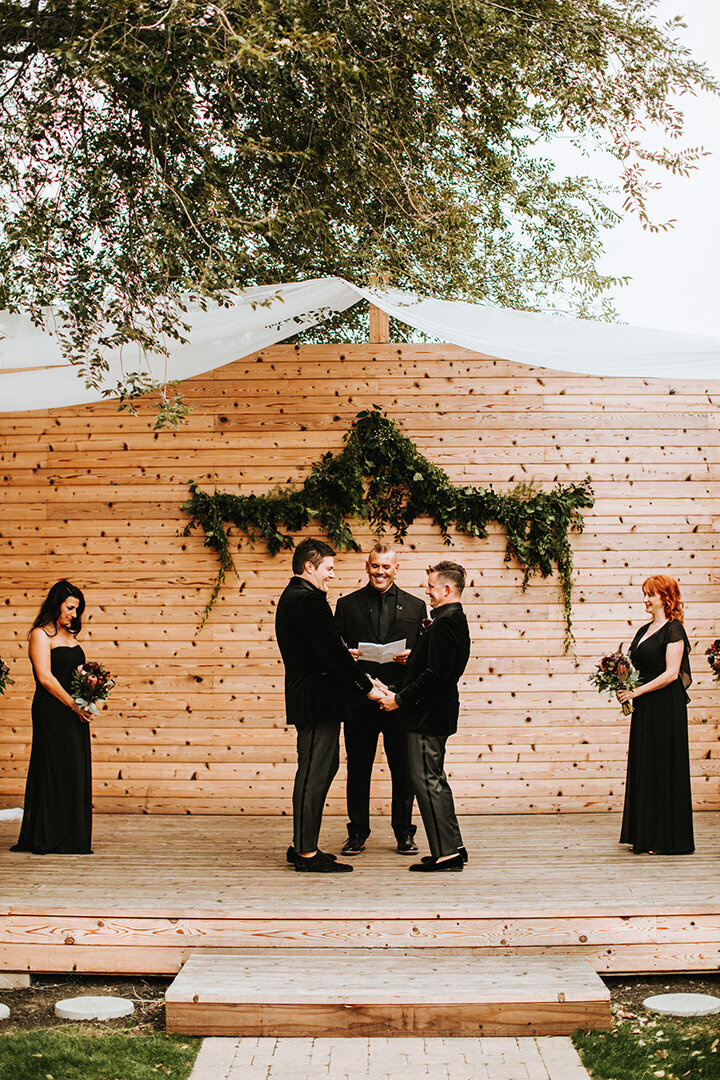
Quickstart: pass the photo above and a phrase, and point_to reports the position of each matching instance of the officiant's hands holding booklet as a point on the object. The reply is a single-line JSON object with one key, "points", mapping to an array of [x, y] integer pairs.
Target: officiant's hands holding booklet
{"points": [[378, 653]]}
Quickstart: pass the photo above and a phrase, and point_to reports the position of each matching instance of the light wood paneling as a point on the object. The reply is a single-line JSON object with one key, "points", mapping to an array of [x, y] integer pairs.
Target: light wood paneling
{"points": [[196, 723]]}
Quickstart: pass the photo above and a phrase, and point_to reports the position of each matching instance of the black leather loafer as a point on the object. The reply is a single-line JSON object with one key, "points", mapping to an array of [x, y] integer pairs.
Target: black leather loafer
{"points": [[291, 857], [320, 864], [454, 864], [462, 852]]}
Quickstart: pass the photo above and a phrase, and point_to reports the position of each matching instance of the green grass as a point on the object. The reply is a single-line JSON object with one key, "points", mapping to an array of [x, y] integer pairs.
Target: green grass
{"points": [[51, 1054], [655, 1049]]}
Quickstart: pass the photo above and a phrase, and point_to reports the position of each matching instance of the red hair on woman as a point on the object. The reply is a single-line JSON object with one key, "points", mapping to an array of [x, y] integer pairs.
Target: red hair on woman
{"points": [[668, 590]]}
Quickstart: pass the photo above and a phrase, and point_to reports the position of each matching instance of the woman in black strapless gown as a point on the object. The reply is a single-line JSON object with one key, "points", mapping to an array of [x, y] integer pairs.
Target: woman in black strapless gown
{"points": [[657, 817], [58, 795]]}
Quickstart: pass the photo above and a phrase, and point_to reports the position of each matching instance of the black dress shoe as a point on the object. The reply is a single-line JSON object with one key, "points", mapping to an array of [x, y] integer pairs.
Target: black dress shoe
{"points": [[291, 856], [353, 845], [406, 845], [462, 852], [319, 863], [433, 866]]}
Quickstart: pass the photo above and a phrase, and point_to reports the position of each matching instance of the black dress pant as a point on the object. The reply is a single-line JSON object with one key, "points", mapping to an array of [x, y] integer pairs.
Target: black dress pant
{"points": [[361, 739], [318, 748], [426, 755]]}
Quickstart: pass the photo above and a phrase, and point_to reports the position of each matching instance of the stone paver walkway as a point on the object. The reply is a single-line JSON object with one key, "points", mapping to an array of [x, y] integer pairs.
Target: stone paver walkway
{"points": [[551, 1058]]}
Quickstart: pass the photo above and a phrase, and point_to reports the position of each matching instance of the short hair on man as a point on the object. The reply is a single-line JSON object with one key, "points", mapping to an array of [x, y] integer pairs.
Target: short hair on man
{"points": [[451, 572], [312, 551], [381, 548]]}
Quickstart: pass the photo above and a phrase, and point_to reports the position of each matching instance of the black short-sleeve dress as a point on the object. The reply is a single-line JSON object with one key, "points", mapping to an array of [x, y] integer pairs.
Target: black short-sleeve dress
{"points": [[658, 804]]}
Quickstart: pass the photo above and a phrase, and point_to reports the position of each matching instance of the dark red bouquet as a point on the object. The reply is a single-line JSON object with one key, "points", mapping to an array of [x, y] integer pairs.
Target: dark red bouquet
{"points": [[616, 672], [4, 676], [713, 655], [90, 683]]}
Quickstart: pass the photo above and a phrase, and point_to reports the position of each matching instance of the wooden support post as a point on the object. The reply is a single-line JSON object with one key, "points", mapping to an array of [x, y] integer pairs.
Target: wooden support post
{"points": [[379, 320], [379, 325]]}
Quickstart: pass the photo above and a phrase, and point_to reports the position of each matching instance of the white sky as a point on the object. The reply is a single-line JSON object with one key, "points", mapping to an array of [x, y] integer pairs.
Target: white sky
{"points": [[675, 275]]}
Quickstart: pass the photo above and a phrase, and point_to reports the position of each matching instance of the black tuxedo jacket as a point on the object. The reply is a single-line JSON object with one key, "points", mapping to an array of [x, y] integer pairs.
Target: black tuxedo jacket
{"points": [[318, 667], [429, 694], [355, 623]]}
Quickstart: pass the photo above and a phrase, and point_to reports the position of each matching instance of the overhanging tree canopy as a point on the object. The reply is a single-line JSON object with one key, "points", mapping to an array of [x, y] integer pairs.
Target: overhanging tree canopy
{"points": [[154, 147]]}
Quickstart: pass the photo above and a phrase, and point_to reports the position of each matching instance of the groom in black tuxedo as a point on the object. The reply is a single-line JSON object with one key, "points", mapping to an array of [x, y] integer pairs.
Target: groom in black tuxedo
{"points": [[379, 613], [429, 704], [319, 671]]}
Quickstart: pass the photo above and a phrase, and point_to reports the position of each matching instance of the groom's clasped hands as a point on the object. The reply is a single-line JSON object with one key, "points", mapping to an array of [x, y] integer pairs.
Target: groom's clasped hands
{"points": [[383, 695]]}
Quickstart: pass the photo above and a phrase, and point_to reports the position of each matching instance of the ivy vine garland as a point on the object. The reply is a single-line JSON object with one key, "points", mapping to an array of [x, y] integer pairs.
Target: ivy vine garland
{"points": [[381, 477]]}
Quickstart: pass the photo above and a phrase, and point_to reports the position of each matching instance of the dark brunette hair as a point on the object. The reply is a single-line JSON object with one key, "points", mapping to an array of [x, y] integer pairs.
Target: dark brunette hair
{"points": [[451, 572], [50, 608], [312, 551]]}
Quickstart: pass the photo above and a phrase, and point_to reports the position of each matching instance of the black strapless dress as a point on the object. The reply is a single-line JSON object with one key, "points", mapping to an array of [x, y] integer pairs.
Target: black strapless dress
{"points": [[658, 804], [58, 794]]}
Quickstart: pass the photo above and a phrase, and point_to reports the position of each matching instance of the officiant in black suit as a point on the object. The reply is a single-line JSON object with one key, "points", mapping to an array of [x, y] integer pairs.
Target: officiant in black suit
{"points": [[429, 705], [319, 671], [378, 613]]}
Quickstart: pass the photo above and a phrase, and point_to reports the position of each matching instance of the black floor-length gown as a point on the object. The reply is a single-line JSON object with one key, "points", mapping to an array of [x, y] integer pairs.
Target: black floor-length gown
{"points": [[58, 794], [658, 803]]}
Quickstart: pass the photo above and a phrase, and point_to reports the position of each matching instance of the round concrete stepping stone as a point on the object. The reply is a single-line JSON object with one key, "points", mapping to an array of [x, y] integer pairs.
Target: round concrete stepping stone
{"points": [[683, 1004], [4, 1012], [93, 1008]]}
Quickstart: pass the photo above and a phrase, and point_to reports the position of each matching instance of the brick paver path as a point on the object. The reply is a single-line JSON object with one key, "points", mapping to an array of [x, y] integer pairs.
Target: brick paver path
{"points": [[551, 1058]]}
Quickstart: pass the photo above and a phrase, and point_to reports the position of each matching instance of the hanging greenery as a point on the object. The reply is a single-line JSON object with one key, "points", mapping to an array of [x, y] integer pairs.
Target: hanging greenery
{"points": [[381, 477]]}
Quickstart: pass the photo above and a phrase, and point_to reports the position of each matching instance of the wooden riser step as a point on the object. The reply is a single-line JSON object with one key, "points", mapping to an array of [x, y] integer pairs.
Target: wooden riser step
{"points": [[329, 992]]}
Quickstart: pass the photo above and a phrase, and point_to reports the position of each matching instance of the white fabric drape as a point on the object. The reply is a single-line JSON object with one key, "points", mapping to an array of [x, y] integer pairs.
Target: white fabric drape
{"points": [[259, 317]]}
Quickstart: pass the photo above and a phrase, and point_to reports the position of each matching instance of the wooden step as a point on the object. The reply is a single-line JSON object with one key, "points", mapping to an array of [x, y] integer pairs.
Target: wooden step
{"points": [[334, 992]]}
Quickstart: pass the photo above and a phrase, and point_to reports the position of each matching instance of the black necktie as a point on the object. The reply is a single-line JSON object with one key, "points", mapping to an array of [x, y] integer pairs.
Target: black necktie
{"points": [[384, 615]]}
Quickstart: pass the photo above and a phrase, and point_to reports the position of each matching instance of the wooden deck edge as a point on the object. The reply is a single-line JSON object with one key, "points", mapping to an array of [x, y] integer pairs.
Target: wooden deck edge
{"points": [[343, 1021], [647, 958], [226, 913]]}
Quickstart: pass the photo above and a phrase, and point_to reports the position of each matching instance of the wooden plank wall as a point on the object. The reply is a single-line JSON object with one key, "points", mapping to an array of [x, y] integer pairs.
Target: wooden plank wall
{"points": [[196, 722]]}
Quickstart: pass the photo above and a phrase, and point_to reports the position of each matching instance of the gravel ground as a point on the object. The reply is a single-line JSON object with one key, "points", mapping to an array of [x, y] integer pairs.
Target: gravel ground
{"points": [[628, 994], [34, 1006]]}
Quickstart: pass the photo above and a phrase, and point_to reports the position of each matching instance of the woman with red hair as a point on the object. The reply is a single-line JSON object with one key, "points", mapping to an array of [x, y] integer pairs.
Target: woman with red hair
{"points": [[657, 818]]}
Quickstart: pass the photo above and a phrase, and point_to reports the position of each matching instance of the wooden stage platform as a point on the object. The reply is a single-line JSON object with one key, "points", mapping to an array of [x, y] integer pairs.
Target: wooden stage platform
{"points": [[158, 889]]}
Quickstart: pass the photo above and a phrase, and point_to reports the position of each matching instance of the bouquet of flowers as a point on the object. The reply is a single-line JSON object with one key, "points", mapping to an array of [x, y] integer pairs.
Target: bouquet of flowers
{"points": [[4, 676], [713, 655], [615, 672], [90, 683]]}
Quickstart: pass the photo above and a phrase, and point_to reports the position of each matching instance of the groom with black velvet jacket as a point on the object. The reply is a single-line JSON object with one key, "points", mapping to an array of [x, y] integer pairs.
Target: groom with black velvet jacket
{"points": [[378, 613], [429, 705]]}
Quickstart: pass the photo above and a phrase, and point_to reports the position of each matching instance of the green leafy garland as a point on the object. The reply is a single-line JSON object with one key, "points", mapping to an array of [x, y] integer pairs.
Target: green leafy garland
{"points": [[380, 476]]}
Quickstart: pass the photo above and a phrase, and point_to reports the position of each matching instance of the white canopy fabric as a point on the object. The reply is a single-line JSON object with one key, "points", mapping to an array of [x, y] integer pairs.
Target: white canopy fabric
{"points": [[34, 374]]}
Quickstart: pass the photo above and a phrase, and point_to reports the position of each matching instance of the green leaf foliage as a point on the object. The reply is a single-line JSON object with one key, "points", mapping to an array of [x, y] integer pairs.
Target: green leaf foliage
{"points": [[381, 477], [158, 150]]}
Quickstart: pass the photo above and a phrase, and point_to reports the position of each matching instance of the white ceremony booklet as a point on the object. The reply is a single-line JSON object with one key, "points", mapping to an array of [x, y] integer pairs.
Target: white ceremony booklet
{"points": [[380, 654]]}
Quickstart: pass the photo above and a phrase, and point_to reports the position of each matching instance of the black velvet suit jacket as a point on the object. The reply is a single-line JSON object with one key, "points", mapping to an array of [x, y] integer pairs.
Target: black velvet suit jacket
{"points": [[318, 668], [429, 694], [355, 623]]}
